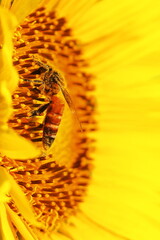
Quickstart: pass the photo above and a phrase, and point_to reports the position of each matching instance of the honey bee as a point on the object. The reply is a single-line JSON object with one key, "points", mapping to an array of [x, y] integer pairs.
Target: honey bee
{"points": [[52, 82]]}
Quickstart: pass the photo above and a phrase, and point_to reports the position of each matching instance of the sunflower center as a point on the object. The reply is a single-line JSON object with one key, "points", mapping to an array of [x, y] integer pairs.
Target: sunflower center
{"points": [[57, 181]]}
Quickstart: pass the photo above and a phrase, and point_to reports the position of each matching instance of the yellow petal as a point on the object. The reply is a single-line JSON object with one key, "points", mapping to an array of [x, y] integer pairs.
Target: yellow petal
{"points": [[5, 224], [21, 227], [5, 229], [22, 9], [118, 36], [6, 103], [59, 236], [82, 227], [64, 8], [5, 185], [14, 146], [8, 74], [125, 188], [8, 24], [6, 3]]}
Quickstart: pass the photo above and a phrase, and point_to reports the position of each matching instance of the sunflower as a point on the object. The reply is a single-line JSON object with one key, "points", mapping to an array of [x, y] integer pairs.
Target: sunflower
{"points": [[57, 59]]}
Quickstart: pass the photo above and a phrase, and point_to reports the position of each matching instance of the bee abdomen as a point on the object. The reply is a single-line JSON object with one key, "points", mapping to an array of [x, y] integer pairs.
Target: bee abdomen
{"points": [[53, 118], [52, 121]]}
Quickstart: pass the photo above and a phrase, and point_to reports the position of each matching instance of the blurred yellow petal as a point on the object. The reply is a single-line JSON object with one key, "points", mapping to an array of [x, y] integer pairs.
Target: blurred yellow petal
{"points": [[27, 234], [82, 227], [124, 195], [14, 146], [129, 190], [8, 23], [9, 190], [64, 8], [21, 10], [120, 33], [59, 236], [6, 3], [5, 229], [18, 197], [8, 74]]}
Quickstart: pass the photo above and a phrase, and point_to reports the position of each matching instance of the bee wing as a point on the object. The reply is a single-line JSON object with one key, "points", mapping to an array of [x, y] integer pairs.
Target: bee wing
{"points": [[68, 98], [70, 104]]}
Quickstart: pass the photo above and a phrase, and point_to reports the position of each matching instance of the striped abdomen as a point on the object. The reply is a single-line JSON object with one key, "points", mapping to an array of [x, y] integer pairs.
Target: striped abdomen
{"points": [[52, 121]]}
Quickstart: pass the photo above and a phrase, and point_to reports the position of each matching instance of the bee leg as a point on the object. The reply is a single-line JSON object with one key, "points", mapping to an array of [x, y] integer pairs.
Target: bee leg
{"points": [[36, 90], [42, 88], [40, 110], [32, 81], [41, 64]]}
